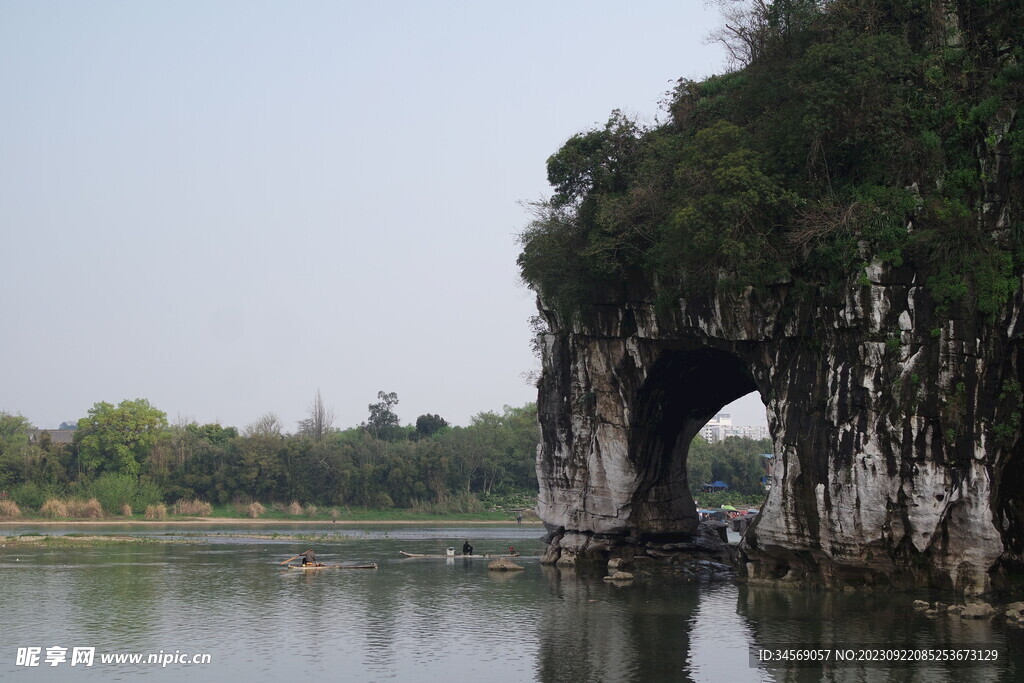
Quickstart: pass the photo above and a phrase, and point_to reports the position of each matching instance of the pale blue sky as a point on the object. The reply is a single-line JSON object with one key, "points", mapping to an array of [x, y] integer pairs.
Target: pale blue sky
{"points": [[223, 206]]}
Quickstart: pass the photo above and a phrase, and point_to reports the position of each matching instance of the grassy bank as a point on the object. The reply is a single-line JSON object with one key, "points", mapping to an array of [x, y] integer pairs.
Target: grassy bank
{"points": [[229, 513], [485, 508], [72, 540], [357, 514]]}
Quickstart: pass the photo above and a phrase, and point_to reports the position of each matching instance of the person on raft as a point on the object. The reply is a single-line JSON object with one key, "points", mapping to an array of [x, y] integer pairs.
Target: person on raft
{"points": [[308, 557], [467, 549]]}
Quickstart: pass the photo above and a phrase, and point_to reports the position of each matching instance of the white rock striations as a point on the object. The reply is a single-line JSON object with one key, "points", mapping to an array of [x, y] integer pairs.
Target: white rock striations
{"points": [[897, 434]]}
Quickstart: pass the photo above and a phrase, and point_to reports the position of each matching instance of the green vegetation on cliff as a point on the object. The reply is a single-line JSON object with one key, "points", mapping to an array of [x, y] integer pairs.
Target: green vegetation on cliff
{"points": [[853, 130]]}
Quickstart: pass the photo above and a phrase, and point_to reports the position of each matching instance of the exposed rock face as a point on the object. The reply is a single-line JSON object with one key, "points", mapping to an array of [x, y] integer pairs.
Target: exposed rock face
{"points": [[897, 434]]}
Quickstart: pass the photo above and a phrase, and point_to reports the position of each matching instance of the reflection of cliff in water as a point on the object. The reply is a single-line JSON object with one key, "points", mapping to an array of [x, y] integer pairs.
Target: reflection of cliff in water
{"points": [[661, 629], [584, 634], [808, 619]]}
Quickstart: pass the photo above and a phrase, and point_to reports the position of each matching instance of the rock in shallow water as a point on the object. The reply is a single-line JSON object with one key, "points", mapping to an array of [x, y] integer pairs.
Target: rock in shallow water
{"points": [[503, 564]]}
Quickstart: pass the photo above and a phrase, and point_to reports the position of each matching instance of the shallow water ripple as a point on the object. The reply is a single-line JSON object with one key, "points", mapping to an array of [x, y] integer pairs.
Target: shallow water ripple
{"points": [[424, 619]]}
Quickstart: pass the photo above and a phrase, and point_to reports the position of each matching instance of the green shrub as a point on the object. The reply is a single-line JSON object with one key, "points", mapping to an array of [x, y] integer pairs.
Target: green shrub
{"points": [[29, 495], [114, 491]]}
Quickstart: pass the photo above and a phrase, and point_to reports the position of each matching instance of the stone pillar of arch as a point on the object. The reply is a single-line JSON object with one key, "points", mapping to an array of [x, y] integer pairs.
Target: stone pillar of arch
{"points": [[896, 435]]}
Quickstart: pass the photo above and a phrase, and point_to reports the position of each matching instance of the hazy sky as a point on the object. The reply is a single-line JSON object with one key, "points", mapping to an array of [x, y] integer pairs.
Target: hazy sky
{"points": [[224, 207]]}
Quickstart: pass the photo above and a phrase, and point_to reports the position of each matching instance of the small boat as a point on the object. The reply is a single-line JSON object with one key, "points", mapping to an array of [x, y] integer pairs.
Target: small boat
{"points": [[308, 567], [464, 557]]}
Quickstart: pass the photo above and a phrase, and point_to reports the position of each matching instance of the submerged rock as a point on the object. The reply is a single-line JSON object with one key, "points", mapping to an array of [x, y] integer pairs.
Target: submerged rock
{"points": [[977, 610], [1014, 611], [503, 564]]}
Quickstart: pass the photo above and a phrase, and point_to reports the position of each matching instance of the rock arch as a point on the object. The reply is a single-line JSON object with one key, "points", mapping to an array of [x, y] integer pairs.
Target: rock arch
{"points": [[897, 435], [685, 388]]}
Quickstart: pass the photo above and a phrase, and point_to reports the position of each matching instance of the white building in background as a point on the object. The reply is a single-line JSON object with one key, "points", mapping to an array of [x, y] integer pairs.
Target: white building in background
{"points": [[721, 426], [714, 430]]}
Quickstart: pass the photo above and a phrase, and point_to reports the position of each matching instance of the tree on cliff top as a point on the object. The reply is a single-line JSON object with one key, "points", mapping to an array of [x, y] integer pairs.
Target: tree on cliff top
{"points": [[855, 130]]}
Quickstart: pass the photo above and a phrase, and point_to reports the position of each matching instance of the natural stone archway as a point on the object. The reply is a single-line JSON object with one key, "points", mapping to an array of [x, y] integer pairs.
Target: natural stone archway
{"points": [[896, 434], [866, 268], [681, 393]]}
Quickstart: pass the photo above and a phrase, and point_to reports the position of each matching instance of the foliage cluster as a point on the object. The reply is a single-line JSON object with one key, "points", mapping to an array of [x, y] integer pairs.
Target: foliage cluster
{"points": [[434, 469], [854, 130], [737, 461], [127, 456]]}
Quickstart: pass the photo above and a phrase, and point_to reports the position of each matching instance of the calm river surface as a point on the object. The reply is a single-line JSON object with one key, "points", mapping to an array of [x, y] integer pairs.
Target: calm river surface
{"points": [[222, 593]]}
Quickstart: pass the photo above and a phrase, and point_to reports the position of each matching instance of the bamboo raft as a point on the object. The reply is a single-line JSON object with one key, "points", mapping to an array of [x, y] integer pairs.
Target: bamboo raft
{"points": [[446, 557], [308, 567]]}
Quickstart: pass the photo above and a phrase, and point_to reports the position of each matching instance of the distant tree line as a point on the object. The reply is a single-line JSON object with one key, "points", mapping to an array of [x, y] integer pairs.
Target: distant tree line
{"points": [[737, 461], [132, 448]]}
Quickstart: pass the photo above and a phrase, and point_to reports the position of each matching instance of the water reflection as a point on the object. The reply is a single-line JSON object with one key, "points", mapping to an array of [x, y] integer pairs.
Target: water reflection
{"points": [[779, 618], [425, 619]]}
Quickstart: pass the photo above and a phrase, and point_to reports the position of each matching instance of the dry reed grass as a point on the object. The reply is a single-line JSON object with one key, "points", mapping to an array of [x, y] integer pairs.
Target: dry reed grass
{"points": [[9, 509], [89, 509], [193, 507], [54, 508], [294, 508], [126, 510], [158, 511], [310, 510], [255, 510]]}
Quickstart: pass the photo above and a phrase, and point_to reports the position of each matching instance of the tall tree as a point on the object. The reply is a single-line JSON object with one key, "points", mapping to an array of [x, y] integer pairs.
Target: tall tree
{"points": [[383, 422], [429, 424], [15, 451], [118, 439], [267, 425], [319, 421]]}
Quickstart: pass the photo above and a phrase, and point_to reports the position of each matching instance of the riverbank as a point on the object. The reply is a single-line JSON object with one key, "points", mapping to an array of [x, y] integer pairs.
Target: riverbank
{"points": [[73, 540], [195, 521]]}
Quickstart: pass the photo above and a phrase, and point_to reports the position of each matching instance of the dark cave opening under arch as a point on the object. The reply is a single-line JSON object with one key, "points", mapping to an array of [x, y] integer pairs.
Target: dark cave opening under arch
{"points": [[683, 390]]}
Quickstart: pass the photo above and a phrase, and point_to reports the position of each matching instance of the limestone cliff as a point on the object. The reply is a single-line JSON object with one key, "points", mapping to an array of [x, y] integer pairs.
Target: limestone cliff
{"points": [[896, 434], [835, 226]]}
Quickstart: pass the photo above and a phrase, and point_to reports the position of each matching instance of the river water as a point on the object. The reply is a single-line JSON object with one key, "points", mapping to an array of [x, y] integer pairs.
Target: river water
{"points": [[219, 591]]}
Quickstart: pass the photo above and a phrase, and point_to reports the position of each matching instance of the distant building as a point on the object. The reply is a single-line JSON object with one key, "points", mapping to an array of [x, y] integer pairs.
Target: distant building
{"points": [[53, 436], [720, 426], [715, 428]]}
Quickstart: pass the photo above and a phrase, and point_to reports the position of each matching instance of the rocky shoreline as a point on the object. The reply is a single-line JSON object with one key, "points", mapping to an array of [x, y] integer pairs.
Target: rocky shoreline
{"points": [[1012, 612]]}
